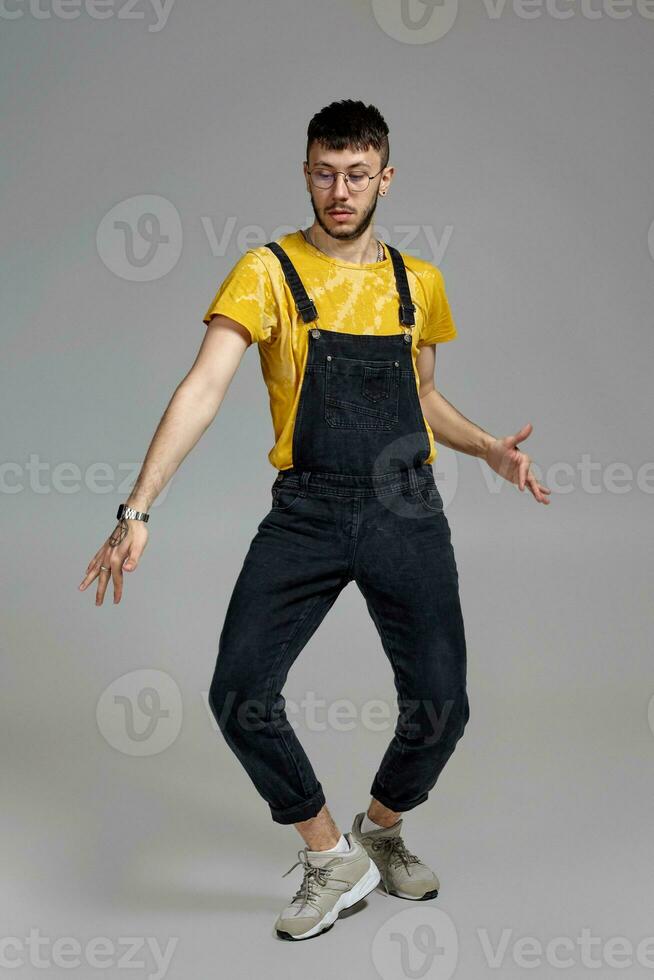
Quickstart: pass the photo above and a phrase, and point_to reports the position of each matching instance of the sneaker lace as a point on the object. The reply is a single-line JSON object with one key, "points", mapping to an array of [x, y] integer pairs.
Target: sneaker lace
{"points": [[314, 877], [394, 852]]}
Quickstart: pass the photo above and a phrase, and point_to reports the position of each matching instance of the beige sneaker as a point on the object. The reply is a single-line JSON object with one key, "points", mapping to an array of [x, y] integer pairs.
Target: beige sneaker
{"points": [[331, 882], [402, 873]]}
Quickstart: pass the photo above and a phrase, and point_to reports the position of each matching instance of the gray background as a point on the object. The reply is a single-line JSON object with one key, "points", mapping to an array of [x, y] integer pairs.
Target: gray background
{"points": [[530, 139]]}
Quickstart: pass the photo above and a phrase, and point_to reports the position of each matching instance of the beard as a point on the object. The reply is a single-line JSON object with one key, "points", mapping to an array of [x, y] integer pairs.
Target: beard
{"points": [[343, 234]]}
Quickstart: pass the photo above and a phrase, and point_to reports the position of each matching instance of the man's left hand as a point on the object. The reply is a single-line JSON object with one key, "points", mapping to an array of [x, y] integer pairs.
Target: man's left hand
{"points": [[506, 458]]}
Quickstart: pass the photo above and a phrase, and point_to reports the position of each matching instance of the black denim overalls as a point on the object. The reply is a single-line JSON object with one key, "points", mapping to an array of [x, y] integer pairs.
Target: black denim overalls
{"points": [[358, 504]]}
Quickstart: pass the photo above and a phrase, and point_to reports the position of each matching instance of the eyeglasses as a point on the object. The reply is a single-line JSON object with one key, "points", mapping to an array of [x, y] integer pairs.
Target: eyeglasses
{"points": [[356, 181]]}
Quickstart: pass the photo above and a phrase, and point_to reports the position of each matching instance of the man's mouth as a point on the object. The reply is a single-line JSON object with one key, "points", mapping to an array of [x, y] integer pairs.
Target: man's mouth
{"points": [[340, 214]]}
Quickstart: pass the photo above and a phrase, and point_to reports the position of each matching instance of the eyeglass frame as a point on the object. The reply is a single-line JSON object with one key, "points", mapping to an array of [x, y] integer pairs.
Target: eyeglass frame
{"points": [[353, 190]]}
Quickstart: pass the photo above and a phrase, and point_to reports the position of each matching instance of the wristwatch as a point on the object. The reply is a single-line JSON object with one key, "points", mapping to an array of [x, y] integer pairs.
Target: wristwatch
{"points": [[128, 512]]}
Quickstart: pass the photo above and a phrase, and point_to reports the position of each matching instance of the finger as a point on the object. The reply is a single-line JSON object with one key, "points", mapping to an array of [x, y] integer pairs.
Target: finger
{"points": [[524, 471], [538, 490], [522, 434], [117, 576], [528, 470], [133, 558], [91, 575], [104, 574], [532, 484], [88, 578], [98, 557], [94, 560]]}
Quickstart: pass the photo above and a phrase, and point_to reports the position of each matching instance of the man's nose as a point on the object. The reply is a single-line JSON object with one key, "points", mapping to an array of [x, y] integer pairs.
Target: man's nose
{"points": [[340, 188]]}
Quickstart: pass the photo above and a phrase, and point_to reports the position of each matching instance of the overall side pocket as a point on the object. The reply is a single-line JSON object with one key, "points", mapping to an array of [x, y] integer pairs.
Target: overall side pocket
{"points": [[283, 498]]}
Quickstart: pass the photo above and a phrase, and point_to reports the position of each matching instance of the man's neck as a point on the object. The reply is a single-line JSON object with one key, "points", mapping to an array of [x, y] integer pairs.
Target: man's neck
{"points": [[360, 251]]}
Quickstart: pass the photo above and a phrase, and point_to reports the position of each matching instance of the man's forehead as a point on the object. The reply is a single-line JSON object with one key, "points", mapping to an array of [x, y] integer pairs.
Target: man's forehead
{"points": [[319, 156]]}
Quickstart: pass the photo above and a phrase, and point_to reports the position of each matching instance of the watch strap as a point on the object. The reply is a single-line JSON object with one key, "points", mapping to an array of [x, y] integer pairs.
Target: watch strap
{"points": [[128, 513]]}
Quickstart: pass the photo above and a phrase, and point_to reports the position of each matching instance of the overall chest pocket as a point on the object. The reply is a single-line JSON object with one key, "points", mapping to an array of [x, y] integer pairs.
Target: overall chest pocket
{"points": [[361, 394]]}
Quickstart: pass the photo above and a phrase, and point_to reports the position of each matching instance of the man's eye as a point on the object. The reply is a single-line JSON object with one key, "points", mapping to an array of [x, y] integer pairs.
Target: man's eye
{"points": [[322, 174], [357, 177]]}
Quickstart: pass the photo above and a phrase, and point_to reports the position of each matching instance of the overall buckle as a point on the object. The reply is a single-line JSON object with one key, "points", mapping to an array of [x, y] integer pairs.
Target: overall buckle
{"points": [[406, 313], [307, 311]]}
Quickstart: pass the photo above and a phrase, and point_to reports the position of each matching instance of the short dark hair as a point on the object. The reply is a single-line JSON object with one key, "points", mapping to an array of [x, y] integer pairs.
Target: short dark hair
{"points": [[350, 124]]}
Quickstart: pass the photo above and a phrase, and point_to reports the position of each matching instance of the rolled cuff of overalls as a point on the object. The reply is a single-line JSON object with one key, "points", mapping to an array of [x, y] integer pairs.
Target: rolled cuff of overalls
{"points": [[399, 806], [300, 811]]}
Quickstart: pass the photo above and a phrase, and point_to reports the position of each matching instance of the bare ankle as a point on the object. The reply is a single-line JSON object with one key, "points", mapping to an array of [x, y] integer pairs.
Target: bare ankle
{"points": [[320, 832], [381, 814]]}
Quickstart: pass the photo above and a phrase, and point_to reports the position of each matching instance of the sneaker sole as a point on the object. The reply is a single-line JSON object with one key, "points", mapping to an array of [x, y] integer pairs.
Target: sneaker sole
{"points": [[366, 884], [417, 898]]}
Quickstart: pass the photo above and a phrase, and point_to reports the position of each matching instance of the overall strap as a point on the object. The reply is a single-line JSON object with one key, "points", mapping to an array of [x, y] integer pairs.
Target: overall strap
{"points": [[305, 306], [407, 308]]}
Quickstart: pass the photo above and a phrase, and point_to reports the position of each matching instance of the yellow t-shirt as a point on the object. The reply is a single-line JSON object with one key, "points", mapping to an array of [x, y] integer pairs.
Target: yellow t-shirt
{"points": [[350, 298]]}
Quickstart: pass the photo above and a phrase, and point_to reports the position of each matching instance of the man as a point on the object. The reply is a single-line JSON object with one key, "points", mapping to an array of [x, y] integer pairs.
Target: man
{"points": [[346, 328]]}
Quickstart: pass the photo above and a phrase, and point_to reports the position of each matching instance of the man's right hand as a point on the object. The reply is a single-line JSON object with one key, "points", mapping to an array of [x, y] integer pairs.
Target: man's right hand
{"points": [[120, 552]]}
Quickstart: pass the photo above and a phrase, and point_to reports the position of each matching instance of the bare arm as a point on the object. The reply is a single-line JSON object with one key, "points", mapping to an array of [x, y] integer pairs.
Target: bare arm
{"points": [[192, 408]]}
